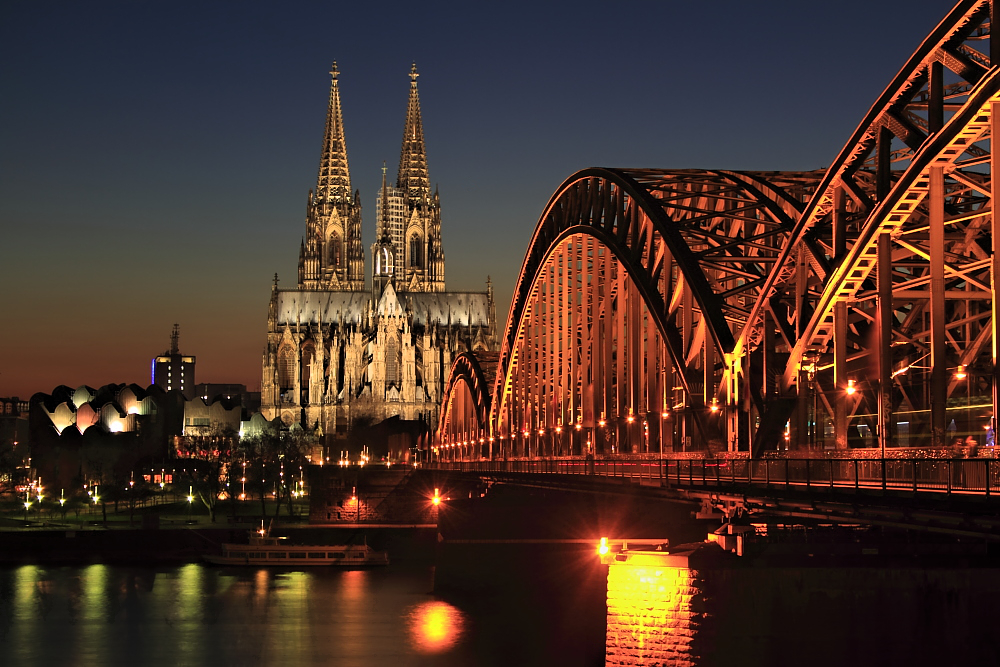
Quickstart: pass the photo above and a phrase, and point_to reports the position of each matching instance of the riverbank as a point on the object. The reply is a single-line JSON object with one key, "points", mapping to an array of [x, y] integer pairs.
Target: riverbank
{"points": [[138, 546]]}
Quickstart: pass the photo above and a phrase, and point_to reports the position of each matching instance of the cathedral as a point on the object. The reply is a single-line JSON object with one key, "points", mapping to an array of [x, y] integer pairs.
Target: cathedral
{"points": [[338, 351]]}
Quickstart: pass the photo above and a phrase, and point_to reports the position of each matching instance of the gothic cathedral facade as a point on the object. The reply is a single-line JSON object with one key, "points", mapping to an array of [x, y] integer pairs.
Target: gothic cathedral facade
{"points": [[338, 351]]}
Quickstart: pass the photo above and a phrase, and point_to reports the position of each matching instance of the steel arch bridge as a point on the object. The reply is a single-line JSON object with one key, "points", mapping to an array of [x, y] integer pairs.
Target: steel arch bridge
{"points": [[676, 310]]}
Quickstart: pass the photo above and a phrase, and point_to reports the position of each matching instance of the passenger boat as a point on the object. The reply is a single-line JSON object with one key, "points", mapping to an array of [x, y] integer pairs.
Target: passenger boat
{"points": [[271, 551]]}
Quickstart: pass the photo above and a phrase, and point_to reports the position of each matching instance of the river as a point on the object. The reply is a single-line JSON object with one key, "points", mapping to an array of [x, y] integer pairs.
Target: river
{"points": [[194, 614], [539, 613]]}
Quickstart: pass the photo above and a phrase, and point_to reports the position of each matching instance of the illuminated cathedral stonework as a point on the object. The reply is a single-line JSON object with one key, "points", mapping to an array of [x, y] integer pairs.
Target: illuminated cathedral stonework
{"points": [[337, 352]]}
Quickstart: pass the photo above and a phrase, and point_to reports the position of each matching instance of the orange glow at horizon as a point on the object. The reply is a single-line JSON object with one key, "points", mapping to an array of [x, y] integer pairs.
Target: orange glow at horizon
{"points": [[434, 627]]}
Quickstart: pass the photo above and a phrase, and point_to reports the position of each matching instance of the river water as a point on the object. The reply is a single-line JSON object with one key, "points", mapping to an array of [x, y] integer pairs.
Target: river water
{"points": [[196, 615], [537, 614]]}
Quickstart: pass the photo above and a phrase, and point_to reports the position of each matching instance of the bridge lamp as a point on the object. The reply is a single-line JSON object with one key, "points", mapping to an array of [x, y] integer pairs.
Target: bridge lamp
{"points": [[714, 407], [579, 426], [437, 496], [665, 414], [851, 388], [601, 423], [960, 373], [631, 418], [541, 431], [603, 549], [558, 429]]}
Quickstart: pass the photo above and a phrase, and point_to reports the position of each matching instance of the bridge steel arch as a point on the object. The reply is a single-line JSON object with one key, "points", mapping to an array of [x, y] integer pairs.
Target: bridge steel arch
{"points": [[465, 408], [664, 310]]}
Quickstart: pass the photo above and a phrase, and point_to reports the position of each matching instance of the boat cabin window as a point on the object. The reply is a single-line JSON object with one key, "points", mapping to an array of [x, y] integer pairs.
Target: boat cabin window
{"points": [[336, 554], [256, 554], [281, 554], [294, 554], [317, 554], [358, 554]]}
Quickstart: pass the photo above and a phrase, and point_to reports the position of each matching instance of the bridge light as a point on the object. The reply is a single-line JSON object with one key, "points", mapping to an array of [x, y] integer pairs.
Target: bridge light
{"points": [[851, 388], [665, 414], [541, 431], [960, 373], [437, 496], [631, 418], [601, 423], [714, 407], [579, 426], [603, 549], [558, 429]]}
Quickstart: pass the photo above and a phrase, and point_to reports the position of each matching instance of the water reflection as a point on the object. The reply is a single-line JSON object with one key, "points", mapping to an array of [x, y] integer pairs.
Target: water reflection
{"points": [[434, 626], [197, 615]]}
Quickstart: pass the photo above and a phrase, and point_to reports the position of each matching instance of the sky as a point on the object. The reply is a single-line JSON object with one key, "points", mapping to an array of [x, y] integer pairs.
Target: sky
{"points": [[155, 157]]}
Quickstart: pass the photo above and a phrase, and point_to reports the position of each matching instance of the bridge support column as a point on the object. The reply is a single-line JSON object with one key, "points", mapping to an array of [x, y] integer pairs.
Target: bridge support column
{"points": [[995, 265], [840, 400], [884, 276], [939, 362]]}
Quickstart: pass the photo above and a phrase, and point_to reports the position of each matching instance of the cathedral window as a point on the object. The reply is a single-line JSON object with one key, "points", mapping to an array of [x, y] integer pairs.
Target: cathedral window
{"points": [[286, 368], [392, 363], [383, 262], [334, 250], [414, 251]]}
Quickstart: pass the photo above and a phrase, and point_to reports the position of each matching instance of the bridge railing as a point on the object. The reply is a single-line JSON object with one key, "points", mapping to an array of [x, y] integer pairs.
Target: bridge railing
{"points": [[947, 476]]}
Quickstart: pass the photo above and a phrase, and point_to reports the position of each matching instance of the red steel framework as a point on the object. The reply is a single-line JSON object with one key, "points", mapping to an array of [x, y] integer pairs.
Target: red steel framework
{"points": [[674, 310]]}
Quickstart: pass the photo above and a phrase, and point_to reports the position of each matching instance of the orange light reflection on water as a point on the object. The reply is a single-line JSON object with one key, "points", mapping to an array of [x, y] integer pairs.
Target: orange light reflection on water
{"points": [[434, 627]]}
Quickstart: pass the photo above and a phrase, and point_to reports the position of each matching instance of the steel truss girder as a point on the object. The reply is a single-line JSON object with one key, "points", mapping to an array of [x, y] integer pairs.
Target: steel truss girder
{"points": [[764, 262], [951, 139], [722, 230]]}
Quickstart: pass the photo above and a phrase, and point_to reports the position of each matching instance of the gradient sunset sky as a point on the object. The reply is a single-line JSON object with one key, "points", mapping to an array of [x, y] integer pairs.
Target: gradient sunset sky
{"points": [[155, 156]]}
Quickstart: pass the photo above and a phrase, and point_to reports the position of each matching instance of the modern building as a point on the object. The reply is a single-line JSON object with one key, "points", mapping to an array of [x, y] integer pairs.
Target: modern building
{"points": [[86, 434], [173, 370], [338, 351], [208, 391]]}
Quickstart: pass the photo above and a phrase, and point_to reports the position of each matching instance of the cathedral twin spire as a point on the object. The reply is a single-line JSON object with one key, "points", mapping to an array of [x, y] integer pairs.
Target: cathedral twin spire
{"points": [[334, 180], [412, 178], [409, 221]]}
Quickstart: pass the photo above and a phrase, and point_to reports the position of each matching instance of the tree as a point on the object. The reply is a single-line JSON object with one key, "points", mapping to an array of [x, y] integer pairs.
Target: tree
{"points": [[208, 472], [273, 460]]}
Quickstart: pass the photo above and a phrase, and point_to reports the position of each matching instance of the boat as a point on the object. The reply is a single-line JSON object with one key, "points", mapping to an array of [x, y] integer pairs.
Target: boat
{"points": [[275, 552]]}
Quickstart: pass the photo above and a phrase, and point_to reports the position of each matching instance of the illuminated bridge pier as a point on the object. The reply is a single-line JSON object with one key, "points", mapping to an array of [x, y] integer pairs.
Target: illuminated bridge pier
{"points": [[670, 312]]}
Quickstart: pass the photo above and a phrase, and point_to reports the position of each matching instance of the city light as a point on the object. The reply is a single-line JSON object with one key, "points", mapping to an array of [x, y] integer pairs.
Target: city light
{"points": [[437, 497]]}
